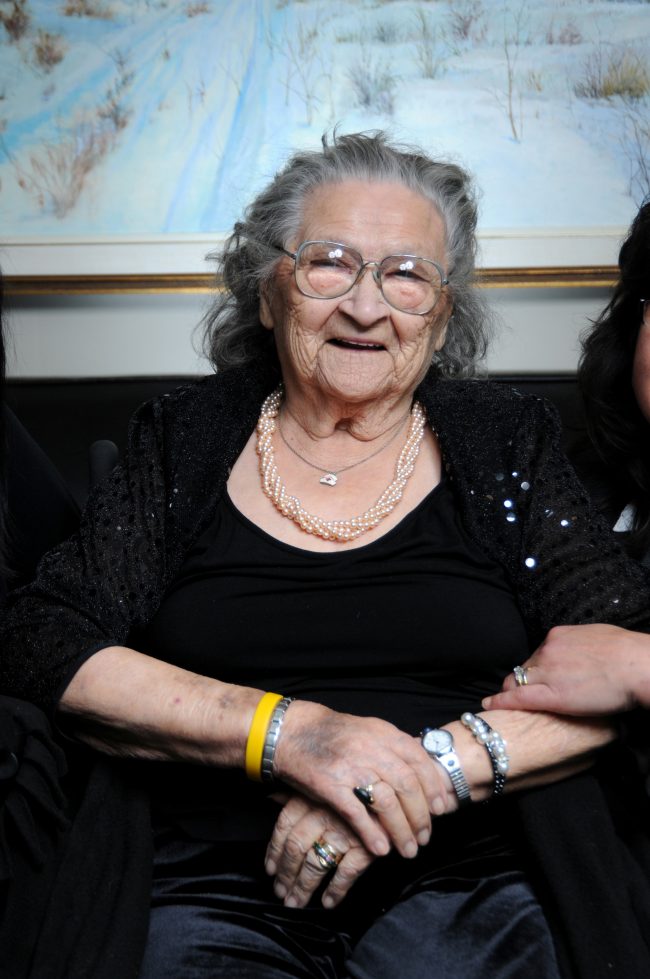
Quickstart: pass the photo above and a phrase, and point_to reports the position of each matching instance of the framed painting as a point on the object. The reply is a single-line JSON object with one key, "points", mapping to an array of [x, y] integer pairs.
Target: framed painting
{"points": [[133, 134]]}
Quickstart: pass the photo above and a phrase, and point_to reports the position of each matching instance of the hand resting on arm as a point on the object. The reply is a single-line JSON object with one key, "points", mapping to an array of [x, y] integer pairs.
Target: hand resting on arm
{"points": [[583, 669]]}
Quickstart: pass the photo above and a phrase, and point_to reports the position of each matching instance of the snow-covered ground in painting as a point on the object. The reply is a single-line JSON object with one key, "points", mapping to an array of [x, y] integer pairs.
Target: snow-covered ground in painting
{"points": [[169, 123]]}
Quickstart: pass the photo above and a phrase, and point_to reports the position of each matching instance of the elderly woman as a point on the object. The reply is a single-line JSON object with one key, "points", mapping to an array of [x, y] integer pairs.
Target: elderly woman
{"points": [[603, 669], [284, 609]]}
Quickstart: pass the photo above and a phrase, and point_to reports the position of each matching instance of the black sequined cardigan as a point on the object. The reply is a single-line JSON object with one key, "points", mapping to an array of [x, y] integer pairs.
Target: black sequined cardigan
{"points": [[518, 498]]}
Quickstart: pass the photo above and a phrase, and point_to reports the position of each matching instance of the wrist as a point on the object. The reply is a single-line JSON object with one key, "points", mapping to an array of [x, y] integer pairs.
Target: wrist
{"points": [[299, 737], [263, 736], [475, 761], [440, 746]]}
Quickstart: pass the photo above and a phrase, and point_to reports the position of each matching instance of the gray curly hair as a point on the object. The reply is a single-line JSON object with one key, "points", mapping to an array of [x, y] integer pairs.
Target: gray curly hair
{"points": [[233, 334]]}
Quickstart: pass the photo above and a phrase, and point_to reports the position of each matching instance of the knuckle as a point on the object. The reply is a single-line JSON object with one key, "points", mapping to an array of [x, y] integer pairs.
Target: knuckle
{"points": [[345, 875], [303, 887], [284, 821], [294, 848], [387, 804], [407, 783], [309, 873]]}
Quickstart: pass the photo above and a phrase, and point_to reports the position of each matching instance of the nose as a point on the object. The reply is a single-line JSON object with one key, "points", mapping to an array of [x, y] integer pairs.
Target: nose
{"points": [[365, 302]]}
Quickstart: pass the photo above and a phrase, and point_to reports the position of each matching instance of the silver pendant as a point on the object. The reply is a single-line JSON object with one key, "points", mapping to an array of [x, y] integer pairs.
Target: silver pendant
{"points": [[329, 479]]}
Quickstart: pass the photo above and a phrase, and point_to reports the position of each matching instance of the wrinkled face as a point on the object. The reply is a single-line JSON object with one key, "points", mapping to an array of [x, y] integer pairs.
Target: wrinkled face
{"points": [[357, 348], [641, 366]]}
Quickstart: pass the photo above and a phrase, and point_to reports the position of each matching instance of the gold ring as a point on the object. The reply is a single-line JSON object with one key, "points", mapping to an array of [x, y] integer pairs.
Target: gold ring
{"points": [[327, 856], [521, 676]]}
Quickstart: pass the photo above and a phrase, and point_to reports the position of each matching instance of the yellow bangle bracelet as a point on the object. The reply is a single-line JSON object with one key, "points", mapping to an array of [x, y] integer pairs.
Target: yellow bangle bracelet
{"points": [[257, 734]]}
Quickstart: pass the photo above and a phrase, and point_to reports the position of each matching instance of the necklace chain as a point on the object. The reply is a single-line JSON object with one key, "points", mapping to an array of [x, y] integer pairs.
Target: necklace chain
{"points": [[330, 476], [290, 506]]}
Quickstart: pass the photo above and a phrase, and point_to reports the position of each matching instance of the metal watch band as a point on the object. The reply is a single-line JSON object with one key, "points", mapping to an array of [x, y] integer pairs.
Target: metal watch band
{"points": [[455, 773], [271, 740]]}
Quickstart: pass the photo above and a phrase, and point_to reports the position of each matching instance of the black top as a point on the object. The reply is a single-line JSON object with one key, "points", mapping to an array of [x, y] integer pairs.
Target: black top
{"points": [[414, 627], [416, 624]]}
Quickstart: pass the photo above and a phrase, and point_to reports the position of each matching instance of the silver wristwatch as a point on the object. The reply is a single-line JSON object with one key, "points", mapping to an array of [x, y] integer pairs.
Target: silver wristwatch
{"points": [[439, 745]]}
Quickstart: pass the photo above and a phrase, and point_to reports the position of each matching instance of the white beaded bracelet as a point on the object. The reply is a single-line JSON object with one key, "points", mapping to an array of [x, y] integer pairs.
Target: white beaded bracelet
{"points": [[495, 746]]}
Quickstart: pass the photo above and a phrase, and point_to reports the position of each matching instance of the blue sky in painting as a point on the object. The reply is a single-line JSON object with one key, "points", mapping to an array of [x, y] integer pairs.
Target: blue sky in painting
{"points": [[166, 117]]}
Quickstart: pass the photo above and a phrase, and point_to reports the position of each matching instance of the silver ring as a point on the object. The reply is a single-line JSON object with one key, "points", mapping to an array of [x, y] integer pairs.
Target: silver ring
{"points": [[365, 794], [521, 676], [327, 856]]}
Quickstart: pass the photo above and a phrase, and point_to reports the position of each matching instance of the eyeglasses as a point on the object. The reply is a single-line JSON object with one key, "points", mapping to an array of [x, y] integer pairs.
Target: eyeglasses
{"points": [[328, 270]]}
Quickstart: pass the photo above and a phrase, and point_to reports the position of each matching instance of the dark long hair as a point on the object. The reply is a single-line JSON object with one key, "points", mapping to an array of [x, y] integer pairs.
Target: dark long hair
{"points": [[3, 445], [616, 425]]}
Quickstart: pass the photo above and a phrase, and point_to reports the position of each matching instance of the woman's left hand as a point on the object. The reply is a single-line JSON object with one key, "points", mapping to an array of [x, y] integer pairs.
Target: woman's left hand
{"points": [[291, 859]]}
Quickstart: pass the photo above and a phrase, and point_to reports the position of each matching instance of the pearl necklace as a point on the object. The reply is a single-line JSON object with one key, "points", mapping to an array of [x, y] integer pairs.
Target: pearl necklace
{"points": [[339, 530]]}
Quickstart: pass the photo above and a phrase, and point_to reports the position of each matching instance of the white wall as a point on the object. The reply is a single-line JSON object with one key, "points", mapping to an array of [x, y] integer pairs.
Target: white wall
{"points": [[93, 336]]}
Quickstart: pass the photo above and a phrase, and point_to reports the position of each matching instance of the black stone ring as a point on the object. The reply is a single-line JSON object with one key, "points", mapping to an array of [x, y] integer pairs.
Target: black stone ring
{"points": [[365, 794]]}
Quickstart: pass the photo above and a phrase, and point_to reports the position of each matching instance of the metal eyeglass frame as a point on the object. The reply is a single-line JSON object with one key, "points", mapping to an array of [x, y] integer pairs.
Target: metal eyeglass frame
{"points": [[376, 273]]}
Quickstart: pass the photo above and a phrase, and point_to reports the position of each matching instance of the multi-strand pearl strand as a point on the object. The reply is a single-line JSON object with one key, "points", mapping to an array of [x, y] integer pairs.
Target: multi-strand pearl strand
{"points": [[340, 530]]}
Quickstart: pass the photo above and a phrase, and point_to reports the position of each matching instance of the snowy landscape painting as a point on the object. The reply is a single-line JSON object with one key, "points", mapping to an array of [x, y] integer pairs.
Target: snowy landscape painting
{"points": [[132, 119]]}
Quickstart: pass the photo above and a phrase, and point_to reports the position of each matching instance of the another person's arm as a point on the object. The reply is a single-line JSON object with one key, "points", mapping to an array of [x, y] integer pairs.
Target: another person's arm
{"points": [[582, 669]]}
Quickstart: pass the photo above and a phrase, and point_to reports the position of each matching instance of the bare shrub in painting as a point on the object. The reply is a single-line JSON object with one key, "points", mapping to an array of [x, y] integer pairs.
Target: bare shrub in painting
{"points": [[17, 20], [387, 32], [373, 85], [56, 174], [196, 9], [611, 72], [636, 146], [305, 75], [510, 98], [568, 34], [87, 8], [49, 50], [467, 20], [112, 109], [427, 53]]}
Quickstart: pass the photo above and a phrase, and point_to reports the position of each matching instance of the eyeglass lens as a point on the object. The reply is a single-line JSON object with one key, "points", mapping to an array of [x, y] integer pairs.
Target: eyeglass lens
{"points": [[326, 270]]}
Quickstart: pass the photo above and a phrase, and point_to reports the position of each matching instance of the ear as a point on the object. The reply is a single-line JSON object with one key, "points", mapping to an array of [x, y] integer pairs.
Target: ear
{"points": [[448, 314], [266, 315]]}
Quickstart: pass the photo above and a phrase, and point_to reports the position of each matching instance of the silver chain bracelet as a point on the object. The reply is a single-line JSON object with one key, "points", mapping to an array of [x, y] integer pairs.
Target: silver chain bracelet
{"points": [[271, 739]]}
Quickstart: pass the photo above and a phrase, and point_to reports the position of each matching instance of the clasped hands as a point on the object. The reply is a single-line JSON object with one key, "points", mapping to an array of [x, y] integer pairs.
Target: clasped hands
{"points": [[322, 756]]}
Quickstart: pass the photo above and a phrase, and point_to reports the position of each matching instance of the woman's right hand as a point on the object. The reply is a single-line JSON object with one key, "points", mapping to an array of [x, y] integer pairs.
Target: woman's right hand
{"points": [[324, 754], [169, 714], [291, 860]]}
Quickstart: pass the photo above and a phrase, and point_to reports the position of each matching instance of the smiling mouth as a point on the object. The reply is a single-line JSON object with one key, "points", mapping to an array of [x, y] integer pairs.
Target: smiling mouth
{"points": [[356, 345]]}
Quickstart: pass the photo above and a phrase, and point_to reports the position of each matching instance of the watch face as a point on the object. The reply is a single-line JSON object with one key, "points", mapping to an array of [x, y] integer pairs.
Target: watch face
{"points": [[437, 741]]}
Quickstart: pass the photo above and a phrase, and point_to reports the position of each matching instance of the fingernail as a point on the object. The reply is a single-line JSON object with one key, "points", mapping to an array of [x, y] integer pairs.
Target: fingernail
{"points": [[291, 902], [438, 806], [486, 702], [380, 847], [280, 890], [328, 902], [423, 837], [410, 849], [270, 868]]}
